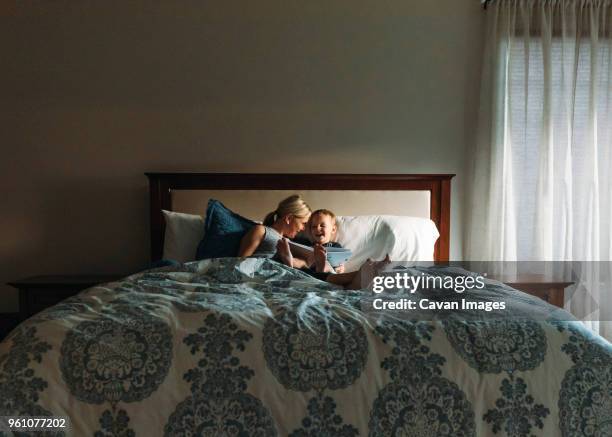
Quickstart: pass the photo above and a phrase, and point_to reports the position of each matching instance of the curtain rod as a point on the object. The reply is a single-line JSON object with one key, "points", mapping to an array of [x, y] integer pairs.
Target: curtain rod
{"points": [[484, 3]]}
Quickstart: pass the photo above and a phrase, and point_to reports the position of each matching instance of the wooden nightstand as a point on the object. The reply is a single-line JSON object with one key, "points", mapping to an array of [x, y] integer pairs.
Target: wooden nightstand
{"points": [[39, 292], [548, 289]]}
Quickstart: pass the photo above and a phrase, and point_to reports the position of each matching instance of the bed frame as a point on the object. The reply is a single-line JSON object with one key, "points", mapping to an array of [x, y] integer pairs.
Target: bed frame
{"points": [[162, 184]]}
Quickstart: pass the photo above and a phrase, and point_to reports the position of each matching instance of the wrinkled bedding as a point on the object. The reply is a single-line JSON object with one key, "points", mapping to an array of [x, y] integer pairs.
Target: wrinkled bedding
{"points": [[250, 347]]}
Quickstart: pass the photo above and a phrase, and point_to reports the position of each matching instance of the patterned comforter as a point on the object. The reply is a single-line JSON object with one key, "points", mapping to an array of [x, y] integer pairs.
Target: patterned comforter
{"points": [[250, 347]]}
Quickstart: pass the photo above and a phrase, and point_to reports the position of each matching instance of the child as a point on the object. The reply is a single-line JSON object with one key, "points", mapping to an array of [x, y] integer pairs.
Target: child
{"points": [[322, 228]]}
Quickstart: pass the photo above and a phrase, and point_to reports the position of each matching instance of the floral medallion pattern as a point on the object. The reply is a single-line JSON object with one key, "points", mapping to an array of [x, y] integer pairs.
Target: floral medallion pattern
{"points": [[118, 358], [498, 346], [19, 386], [218, 404], [516, 410], [436, 407], [585, 400], [115, 424], [322, 420], [123, 356], [504, 346], [585, 404], [324, 357], [418, 401]]}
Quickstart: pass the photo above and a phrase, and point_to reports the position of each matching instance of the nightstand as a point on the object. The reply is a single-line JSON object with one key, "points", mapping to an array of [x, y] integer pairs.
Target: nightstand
{"points": [[39, 292], [546, 288]]}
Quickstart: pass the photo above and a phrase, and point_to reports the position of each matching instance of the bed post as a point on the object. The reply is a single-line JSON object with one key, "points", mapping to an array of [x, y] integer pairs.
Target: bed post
{"points": [[159, 192], [442, 248]]}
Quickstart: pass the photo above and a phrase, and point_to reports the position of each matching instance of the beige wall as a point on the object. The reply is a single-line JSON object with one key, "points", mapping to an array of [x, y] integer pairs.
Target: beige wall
{"points": [[93, 94]]}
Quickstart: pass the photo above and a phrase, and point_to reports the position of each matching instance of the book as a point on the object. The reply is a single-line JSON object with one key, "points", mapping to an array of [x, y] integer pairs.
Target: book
{"points": [[335, 255]]}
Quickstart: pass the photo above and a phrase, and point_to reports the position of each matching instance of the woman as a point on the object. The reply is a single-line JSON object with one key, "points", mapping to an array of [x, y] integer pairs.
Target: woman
{"points": [[269, 239]]}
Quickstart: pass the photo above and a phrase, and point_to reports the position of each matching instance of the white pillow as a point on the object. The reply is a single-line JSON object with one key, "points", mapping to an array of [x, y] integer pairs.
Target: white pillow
{"points": [[183, 234], [374, 236]]}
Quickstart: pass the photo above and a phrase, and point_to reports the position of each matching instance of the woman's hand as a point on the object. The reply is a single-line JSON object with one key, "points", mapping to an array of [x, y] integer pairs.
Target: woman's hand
{"points": [[284, 252], [339, 269]]}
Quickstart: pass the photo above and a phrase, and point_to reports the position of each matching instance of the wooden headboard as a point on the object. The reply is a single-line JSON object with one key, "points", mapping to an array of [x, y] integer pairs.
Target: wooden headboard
{"points": [[162, 184]]}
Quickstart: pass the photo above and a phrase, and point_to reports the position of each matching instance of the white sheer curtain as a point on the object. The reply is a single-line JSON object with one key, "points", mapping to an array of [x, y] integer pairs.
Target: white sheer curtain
{"points": [[542, 165]]}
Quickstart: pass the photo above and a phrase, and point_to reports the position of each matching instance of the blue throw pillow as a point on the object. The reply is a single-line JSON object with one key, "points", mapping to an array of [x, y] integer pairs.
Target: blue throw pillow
{"points": [[223, 230]]}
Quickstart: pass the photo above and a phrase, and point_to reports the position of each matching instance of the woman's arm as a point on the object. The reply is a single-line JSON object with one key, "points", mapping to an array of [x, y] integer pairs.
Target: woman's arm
{"points": [[251, 240]]}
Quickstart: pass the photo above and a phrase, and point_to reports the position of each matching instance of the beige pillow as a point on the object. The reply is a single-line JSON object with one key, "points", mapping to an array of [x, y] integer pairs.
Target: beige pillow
{"points": [[183, 234]]}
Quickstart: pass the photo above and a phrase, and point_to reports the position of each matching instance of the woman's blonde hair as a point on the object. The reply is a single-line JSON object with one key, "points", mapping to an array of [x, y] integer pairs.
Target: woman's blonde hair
{"points": [[292, 205]]}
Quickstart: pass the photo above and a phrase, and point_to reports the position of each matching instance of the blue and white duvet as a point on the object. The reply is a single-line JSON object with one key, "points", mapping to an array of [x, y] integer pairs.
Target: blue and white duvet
{"points": [[233, 347]]}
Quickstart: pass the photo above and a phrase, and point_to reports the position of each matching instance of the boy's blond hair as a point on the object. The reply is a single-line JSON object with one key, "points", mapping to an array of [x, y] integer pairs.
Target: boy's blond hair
{"points": [[326, 212]]}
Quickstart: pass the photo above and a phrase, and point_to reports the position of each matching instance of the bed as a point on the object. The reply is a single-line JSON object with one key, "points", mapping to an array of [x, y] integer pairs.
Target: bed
{"points": [[232, 346]]}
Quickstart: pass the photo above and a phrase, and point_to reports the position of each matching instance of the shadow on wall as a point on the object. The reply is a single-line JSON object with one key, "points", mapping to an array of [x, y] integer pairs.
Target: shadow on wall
{"points": [[70, 225]]}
